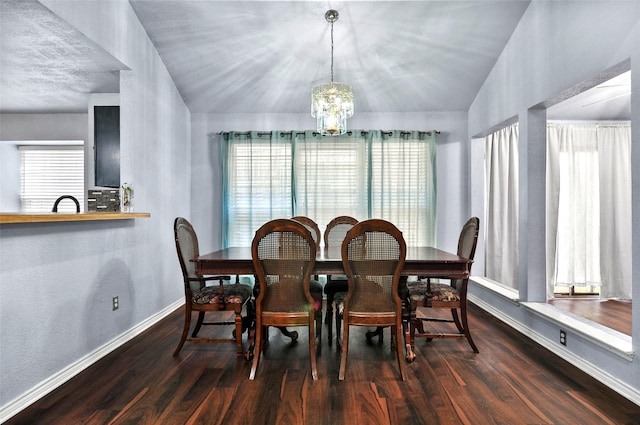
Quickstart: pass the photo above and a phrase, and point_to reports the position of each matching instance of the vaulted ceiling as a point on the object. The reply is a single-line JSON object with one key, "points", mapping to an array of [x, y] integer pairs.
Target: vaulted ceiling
{"points": [[264, 56]]}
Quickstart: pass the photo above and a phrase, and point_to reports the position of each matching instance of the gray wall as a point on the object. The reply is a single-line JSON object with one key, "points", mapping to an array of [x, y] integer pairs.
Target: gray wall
{"points": [[556, 46], [57, 279], [19, 127]]}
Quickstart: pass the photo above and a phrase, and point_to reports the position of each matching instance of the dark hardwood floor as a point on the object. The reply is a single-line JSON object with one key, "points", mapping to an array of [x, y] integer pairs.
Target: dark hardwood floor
{"points": [[511, 381], [615, 314]]}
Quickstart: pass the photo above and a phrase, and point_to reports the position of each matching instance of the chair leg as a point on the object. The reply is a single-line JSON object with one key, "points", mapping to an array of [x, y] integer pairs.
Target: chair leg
{"points": [[318, 323], [291, 334], [185, 329], [198, 324], [249, 321], [408, 328], [328, 319], [338, 332], [238, 332], [318, 316], [248, 355], [257, 350], [398, 336], [465, 324], [345, 349], [328, 316], [456, 319], [378, 332], [312, 346]]}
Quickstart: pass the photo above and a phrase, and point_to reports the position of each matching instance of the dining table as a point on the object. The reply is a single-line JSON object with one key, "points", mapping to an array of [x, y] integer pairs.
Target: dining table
{"points": [[422, 261]]}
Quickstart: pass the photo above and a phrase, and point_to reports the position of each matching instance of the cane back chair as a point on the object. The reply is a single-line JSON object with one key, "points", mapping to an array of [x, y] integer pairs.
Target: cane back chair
{"points": [[202, 298], [284, 254], [452, 295], [373, 254]]}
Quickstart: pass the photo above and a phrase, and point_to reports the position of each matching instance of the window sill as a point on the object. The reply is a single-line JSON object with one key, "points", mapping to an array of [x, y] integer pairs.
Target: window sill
{"points": [[504, 291], [9, 218], [605, 337]]}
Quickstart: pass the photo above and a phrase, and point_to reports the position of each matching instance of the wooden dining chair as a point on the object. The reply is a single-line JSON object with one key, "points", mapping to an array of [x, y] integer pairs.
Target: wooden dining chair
{"points": [[373, 254], [283, 253], [451, 295], [315, 287], [333, 236], [202, 298]]}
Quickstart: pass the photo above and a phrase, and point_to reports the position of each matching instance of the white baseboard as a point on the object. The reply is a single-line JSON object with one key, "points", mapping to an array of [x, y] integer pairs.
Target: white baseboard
{"points": [[616, 385], [54, 381]]}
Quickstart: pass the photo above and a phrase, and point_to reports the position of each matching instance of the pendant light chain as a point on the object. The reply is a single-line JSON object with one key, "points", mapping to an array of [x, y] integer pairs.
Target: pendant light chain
{"points": [[332, 51]]}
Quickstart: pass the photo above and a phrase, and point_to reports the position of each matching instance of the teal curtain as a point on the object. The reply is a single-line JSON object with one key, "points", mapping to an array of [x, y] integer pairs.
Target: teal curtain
{"points": [[402, 184], [364, 174], [257, 182]]}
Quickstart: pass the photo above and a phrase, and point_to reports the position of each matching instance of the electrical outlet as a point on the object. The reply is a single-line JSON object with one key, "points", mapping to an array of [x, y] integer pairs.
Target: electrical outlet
{"points": [[563, 337], [115, 304]]}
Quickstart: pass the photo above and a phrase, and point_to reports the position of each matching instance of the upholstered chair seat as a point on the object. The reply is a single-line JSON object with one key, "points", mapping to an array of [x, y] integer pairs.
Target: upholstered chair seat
{"points": [[231, 294]]}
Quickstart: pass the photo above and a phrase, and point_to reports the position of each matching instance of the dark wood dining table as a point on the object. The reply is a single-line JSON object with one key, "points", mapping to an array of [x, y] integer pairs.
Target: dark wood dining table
{"points": [[420, 261], [423, 261]]}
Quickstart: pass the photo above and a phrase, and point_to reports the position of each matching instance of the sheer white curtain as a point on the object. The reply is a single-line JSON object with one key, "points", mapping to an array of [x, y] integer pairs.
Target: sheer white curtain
{"points": [[501, 174], [574, 173], [614, 143], [589, 207]]}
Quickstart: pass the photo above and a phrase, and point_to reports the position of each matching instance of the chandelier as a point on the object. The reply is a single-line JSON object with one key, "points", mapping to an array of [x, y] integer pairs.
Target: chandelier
{"points": [[332, 103]]}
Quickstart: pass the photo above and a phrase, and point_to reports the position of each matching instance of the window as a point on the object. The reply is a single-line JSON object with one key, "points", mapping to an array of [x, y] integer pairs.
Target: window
{"points": [[589, 208], [388, 175], [402, 185], [331, 178], [259, 185], [48, 172]]}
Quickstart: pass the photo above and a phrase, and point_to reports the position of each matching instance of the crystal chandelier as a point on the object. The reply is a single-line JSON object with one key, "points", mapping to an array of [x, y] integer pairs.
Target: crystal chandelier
{"points": [[332, 103]]}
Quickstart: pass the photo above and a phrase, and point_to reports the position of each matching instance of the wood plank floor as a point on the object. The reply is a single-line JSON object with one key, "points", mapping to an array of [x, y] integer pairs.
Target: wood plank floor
{"points": [[615, 314], [511, 381]]}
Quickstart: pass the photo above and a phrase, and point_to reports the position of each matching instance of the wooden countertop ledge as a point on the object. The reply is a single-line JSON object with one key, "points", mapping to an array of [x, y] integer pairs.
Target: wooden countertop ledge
{"points": [[6, 218]]}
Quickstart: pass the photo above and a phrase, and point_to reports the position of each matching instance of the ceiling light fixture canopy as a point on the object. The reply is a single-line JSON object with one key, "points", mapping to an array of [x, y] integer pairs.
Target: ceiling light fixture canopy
{"points": [[332, 103]]}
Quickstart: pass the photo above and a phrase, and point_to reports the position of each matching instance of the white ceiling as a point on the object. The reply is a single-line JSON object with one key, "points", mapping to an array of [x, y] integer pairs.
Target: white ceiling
{"points": [[264, 56], [234, 56]]}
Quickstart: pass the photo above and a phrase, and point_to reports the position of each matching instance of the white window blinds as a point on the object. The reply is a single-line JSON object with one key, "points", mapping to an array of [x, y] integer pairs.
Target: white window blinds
{"points": [[48, 172], [331, 178]]}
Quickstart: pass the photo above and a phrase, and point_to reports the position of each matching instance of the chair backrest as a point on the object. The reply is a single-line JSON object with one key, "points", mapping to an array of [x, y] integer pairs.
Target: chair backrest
{"points": [[284, 254], [467, 245], [469, 238], [337, 229], [373, 254], [311, 225], [188, 250]]}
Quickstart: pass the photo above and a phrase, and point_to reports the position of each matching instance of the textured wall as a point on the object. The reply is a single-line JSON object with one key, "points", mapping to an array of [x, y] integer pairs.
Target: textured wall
{"points": [[68, 272], [557, 46]]}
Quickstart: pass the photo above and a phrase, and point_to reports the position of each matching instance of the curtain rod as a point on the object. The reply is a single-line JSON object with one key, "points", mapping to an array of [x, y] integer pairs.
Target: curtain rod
{"points": [[315, 133]]}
